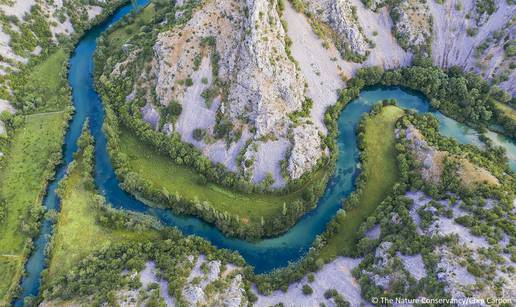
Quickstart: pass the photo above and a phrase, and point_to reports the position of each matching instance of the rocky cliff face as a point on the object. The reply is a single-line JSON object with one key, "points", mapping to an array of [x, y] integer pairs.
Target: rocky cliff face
{"points": [[229, 64], [239, 82], [471, 34], [412, 25], [341, 16], [476, 41]]}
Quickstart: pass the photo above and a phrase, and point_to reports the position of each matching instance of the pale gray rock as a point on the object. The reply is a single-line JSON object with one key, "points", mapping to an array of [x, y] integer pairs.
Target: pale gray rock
{"points": [[416, 34], [306, 151], [453, 274], [338, 14], [267, 159], [168, 129], [194, 294], [374, 233], [347, 26], [382, 257], [451, 44], [414, 265], [336, 275], [267, 86], [150, 115]]}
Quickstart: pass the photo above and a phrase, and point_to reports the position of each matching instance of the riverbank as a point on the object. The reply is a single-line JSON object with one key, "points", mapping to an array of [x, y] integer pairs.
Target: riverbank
{"points": [[81, 223], [34, 152], [35, 138], [379, 173]]}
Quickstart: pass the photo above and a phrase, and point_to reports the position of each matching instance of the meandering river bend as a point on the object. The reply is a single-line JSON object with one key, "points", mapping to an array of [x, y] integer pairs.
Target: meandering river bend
{"points": [[264, 255]]}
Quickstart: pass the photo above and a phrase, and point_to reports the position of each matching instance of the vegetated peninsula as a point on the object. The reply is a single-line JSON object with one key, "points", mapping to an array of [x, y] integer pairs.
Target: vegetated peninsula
{"points": [[233, 112]]}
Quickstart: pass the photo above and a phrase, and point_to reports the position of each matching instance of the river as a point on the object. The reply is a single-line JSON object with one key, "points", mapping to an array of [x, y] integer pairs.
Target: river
{"points": [[264, 255]]}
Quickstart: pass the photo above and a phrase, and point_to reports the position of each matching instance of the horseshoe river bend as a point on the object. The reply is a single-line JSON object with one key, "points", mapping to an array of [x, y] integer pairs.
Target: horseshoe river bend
{"points": [[264, 255]]}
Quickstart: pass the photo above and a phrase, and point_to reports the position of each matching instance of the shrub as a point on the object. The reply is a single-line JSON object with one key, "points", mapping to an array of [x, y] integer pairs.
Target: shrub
{"points": [[174, 108], [198, 134], [307, 290]]}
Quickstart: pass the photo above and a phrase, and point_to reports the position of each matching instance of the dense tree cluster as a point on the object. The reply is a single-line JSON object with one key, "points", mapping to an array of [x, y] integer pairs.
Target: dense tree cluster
{"points": [[101, 274]]}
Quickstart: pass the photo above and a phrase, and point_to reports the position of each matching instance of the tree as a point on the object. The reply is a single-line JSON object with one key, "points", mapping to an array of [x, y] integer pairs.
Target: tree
{"points": [[174, 108], [307, 290]]}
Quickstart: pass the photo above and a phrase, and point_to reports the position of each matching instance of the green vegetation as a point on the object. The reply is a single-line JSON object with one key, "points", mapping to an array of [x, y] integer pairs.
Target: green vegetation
{"points": [[79, 231], [93, 244], [507, 110], [11, 267], [120, 35], [33, 143], [337, 298], [211, 191], [307, 290], [96, 279], [250, 209], [380, 173], [43, 87], [32, 32], [35, 150]]}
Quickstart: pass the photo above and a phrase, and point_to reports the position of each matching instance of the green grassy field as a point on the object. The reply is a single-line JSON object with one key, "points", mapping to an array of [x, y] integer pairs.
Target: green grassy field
{"points": [[45, 85], [120, 36], [507, 110], [77, 233], [23, 181], [381, 173], [10, 269], [161, 171]]}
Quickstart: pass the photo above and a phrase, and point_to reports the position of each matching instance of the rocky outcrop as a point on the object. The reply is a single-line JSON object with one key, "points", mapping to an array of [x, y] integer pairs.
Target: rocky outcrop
{"points": [[462, 38], [205, 273], [431, 159], [334, 275], [230, 63], [432, 162], [150, 115], [412, 24], [2, 128], [247, 53], [341, 16], [267, 86], [306, 151]]}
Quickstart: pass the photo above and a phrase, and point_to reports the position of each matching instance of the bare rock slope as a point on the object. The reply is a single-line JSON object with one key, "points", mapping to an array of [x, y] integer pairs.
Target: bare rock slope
{"points": [[254, 77]]}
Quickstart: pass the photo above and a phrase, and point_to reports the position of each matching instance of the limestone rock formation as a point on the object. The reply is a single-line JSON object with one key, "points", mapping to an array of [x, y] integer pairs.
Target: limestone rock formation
{"points": [[341, 15], [226, 66], [432, 162], [459, 39], [306, 151], [412, 24], [231, 69], [430, 159]]}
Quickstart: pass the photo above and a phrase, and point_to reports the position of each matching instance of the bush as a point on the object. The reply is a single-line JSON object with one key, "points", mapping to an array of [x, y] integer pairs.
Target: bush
{"points": [[198, 134], [174, 108], [307, 290]]}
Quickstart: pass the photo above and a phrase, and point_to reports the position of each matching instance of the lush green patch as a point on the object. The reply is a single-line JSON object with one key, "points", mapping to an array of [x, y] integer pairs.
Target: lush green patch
{"points": [[35, 150], [380, 173], [507, 110], [211, 191], [78, 231], [122, 34], [10, 267], [161, 172], [44, 87]]}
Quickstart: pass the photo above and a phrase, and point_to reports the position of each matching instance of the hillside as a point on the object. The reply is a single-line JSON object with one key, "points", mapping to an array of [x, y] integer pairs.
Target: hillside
{"points": [[251, 89]]}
